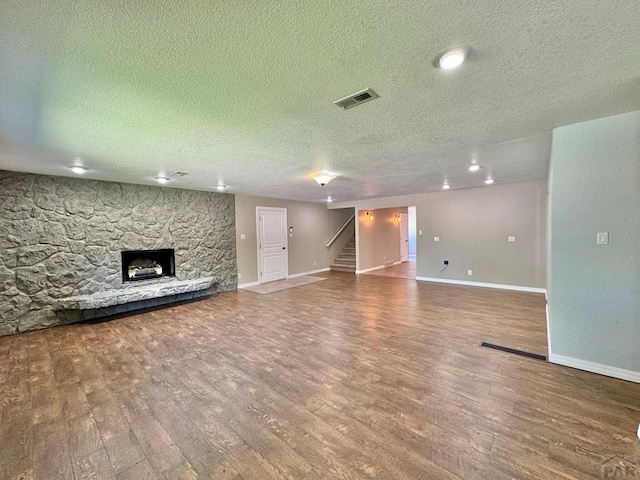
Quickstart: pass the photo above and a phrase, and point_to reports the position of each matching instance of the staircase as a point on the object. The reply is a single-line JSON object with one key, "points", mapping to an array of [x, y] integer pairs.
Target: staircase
{"points": [[346, 261]]}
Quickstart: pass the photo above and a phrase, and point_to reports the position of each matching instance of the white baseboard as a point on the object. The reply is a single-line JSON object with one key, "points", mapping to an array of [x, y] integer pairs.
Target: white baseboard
{"points": [[247, 285], [379, 267], [310, 272], [598, 368], [485, 285]]}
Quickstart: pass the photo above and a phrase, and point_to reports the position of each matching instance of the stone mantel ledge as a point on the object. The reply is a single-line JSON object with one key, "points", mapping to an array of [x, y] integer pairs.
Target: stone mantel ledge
{"points": [[134, 294]]}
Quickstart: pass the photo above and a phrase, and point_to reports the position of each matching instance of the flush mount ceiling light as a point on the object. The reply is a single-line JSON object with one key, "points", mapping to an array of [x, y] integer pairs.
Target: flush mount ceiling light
{"points": [[221, 188], [78, 169], [329, 200], [451, 58], [474, 167], [446, 186], [323, 177], [489, 181], [161, 179]]}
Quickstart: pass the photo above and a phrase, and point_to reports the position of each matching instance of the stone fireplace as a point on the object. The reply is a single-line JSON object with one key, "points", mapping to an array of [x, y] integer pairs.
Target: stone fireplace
{"points": [[66, 245], [147, 264]]}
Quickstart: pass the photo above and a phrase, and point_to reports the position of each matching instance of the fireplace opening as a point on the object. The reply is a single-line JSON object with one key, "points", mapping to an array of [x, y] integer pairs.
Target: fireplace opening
{"points": [[147, 264]]}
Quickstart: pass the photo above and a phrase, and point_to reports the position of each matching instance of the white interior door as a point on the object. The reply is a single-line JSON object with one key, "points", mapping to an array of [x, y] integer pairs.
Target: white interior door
{"points": [[404, 237], [272, 244]]}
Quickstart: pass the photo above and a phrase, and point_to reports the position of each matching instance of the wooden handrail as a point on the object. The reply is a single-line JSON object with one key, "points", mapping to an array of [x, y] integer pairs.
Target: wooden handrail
{"points": [[333, 239]]}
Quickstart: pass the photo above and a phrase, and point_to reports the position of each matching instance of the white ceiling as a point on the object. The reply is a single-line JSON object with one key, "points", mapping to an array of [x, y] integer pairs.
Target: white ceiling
{"points": [[242, 92]]}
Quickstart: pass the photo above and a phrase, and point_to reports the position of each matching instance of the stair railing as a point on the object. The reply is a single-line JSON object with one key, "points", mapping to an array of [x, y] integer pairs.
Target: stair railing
{"points": [[333, 239]]}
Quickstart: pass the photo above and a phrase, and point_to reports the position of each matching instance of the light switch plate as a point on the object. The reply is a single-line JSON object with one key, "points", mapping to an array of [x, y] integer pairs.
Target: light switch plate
{"points": [[243, 236], [469, 272], [436, 239], [511, 238], [419, 232], [602, 238]]}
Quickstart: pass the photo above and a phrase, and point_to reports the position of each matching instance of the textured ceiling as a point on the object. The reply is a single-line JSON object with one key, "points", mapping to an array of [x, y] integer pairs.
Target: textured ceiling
{"points": [[242, 92]]}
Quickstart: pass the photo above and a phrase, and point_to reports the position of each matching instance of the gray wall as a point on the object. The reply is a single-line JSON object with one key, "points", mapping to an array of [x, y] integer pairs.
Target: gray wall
{"points": [[313, 226], [378, 239], [594, 290], [473, 226], [62, 237]]}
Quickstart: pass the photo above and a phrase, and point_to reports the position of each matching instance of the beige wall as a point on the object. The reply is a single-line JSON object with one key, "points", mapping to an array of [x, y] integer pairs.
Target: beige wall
{"points": [[378, 239], [313, 226], [473, 226]]}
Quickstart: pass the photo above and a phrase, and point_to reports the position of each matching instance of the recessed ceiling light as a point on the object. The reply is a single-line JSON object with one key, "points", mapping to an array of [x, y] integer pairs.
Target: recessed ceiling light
{"points": [[451, 58], [329, 200], [162, 180], [78, 169], [221, 188], [474, 167], [446, 186], [489, 181]]}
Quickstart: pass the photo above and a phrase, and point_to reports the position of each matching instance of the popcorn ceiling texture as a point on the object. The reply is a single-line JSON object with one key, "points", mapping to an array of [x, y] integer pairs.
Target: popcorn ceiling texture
{"points": [[242, 92], [61, 238]]}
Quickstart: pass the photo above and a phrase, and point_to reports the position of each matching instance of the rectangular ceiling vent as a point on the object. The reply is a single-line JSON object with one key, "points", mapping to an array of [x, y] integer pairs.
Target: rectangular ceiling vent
{"points": [[356, 99], [178, 174]]}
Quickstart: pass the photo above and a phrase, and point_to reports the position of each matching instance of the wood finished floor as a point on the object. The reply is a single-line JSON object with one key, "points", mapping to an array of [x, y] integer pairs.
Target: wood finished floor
{"points": [[356, 377], [402, 270]]}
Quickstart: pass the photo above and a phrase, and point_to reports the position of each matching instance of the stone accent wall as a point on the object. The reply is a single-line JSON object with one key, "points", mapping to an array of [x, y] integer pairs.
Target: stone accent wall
{"points": [[62, 237]]}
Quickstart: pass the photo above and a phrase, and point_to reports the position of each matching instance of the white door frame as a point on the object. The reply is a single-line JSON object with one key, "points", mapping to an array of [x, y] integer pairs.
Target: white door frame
{"points": [[404, 236], [258, 237]]}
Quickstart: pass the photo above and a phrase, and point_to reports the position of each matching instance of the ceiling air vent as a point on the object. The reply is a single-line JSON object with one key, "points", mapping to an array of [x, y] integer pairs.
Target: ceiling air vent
{"points": [[356, 99], [178, 174]]}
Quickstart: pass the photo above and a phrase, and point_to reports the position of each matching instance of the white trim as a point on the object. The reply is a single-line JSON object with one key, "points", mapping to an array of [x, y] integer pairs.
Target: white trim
{"points": [[481, 284], [310, 272], [592, 367], [379, 267], [247, 285]]}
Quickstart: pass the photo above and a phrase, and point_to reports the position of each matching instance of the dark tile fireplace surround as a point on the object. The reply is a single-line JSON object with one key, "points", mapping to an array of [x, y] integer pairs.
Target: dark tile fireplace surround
{"points": [[66, 247]]}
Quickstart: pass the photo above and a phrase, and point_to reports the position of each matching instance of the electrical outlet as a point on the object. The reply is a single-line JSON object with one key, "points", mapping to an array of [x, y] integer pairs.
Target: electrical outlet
{"points": [[446, 262], [602, 238], [314, 263], [436, 239], [419, 232], [243, 236], [511, 238], [469, 272], [239, 275]]}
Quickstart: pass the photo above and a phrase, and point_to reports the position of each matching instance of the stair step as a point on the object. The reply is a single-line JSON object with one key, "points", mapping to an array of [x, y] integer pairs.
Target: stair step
{"points": [[342, 268], [346, 259], [345, 263]]}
